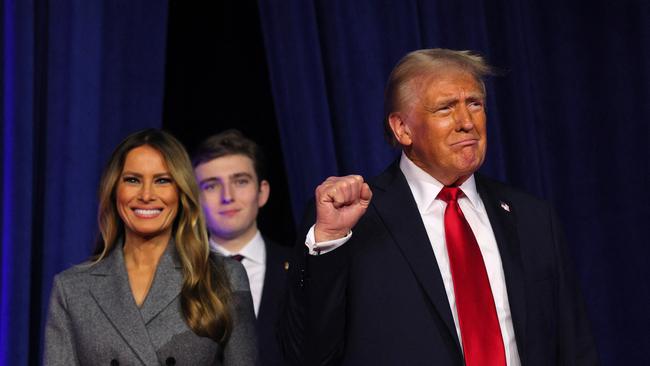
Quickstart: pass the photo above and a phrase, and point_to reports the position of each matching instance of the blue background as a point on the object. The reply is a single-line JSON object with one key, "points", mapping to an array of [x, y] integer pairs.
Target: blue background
{"points": [[568, 121]]}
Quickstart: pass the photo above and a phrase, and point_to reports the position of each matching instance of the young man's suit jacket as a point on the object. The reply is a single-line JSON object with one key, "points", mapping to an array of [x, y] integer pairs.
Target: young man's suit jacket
{"points": [[93, 318], [380, 299], [274, 289]]}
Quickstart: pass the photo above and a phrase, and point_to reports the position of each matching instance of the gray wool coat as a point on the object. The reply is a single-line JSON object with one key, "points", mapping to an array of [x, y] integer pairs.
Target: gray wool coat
{"points": [[93, 318]]}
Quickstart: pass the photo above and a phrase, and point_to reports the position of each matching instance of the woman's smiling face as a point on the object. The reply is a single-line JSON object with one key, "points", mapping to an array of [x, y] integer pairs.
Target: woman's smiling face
{"points": [[146, 195]]}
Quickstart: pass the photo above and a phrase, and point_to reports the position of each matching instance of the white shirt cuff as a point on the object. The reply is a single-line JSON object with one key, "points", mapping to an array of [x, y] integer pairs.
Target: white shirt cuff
{"points": [[324, 246]]}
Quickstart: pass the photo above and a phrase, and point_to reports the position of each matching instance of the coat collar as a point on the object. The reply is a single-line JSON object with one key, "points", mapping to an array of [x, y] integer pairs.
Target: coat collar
{"points": [[166, 286], [112, 292]]}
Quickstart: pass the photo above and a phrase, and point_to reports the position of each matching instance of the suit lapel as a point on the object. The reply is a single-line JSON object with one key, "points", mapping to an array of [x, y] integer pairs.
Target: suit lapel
{"points": [[113, 295], [166, 286], [271, 279], [394, 203], [274, 283], [502, 215]]}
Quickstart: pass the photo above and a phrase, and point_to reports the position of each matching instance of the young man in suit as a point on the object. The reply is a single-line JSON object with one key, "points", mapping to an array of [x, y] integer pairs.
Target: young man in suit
{"points": [[229, 169], [445, 266]]}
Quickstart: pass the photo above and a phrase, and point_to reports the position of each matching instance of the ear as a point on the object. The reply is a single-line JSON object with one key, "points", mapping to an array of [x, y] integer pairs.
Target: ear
{"points": [[400, 129], [263, 195]]}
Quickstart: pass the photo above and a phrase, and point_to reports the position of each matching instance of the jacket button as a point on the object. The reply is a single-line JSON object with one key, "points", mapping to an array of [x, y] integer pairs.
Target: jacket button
{"points": [[115, 362], [170, 361]]}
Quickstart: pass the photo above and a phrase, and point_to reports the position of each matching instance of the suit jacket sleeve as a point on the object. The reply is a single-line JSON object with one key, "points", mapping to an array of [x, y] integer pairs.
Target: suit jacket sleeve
{"points": [[59, 345], [312, 326], [241, 348], [576, 343]]}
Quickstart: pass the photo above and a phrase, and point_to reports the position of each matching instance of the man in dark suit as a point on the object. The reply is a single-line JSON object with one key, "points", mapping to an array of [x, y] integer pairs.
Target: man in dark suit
{"points": [[445, 266], [229, 169]]}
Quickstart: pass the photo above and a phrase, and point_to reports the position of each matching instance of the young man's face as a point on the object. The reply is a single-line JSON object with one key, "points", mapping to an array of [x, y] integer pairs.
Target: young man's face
{"points": [[231, 196]]}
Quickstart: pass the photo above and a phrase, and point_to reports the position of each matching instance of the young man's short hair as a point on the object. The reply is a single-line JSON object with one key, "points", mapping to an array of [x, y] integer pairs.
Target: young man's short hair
{"points": [[230, 142]]}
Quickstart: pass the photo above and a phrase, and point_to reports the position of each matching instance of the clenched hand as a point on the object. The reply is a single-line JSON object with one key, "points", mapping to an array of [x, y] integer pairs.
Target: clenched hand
{"points": [[340, 203]]}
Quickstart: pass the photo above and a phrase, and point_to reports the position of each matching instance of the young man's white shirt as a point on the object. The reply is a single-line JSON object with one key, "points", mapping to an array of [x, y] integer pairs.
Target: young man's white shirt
{"points": [[254, 261]]}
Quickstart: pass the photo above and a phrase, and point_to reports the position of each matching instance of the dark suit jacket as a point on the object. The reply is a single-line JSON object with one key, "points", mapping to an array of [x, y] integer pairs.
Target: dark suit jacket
{"points": [[274, 289], [380, 299], [93, 319]]}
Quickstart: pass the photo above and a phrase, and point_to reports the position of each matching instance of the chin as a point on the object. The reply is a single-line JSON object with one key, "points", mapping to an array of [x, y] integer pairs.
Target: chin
{"points": [[227, 233], [469, 166], [149, 234]]}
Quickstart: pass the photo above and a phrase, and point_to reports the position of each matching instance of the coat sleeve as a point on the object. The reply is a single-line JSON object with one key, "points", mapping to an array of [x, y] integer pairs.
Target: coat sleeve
{"points": [[311, 329], [59, 342], [576, 343], [241, 348]]}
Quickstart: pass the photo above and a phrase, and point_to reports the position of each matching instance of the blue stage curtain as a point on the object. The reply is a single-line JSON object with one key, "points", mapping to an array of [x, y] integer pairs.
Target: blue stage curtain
{"points": [[77, 76], [568, 121]]}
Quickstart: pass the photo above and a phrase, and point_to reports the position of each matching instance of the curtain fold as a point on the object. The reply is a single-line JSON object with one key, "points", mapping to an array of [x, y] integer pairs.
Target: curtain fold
{"points": [[567, 121], [296, 50], [17, 180], [78, 77]]}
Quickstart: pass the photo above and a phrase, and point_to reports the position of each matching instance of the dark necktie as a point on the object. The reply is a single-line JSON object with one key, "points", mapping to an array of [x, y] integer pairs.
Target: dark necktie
{"points": [[237, 257], [477, 316]]}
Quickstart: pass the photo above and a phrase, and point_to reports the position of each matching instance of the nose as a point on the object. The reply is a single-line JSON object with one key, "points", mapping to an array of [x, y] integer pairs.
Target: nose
{"points": [[227, 194], [464, 118], [147, 193]]}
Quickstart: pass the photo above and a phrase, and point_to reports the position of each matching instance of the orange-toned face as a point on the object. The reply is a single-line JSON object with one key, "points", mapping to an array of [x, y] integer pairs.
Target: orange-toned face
{"points": [[147, 196], [443, 129]]}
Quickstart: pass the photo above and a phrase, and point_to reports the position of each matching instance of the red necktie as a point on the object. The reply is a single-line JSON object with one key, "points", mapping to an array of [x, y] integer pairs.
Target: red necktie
{"points": [[477, 316]]}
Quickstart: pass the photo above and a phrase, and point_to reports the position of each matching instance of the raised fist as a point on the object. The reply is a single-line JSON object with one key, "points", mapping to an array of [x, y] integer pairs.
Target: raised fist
{"points": [[340, 203]]}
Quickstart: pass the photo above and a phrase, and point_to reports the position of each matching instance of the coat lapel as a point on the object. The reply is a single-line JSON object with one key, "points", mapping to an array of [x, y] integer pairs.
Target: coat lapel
{"points": [[502, 215], [394, 203], [277, 267], [166, 286], [270, 279], [113, 295]]}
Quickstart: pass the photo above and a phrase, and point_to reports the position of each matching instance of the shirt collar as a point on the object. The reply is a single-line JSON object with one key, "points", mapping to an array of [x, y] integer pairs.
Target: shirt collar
{"points": [[425, 188], [254, 250]]}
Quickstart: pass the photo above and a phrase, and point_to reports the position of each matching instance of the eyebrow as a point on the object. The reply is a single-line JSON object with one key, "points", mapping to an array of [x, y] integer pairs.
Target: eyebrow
{"points": [[157, 175], [242, 175], [206, 180], [453, 100], [232, 176]]}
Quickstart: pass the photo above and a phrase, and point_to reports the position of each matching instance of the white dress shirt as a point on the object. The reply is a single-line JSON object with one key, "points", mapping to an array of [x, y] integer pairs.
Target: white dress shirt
{"points": [[254, 261], [425, 189]]}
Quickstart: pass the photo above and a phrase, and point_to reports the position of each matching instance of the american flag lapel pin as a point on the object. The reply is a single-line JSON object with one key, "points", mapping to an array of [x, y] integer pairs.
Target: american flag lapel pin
{"points": [[505, 206]]}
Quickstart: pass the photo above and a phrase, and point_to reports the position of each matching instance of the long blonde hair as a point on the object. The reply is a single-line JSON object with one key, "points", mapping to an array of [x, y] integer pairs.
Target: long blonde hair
{"points": [[206, 292]]}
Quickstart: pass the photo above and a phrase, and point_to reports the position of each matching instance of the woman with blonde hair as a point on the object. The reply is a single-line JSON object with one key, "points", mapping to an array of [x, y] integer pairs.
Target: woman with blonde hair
{"points": [[152, 293]]}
